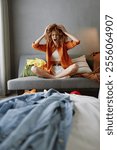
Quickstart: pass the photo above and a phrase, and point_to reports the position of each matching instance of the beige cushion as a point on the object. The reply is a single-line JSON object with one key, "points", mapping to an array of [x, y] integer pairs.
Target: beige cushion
{"points": [[83, 65]]}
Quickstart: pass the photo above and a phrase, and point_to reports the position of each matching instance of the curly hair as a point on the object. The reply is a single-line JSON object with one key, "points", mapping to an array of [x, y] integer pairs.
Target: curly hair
{"points": [[48, 36]]}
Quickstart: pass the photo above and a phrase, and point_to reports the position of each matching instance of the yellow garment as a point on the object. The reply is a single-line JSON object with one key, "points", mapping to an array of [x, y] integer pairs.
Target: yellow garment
{"points": [[36, 62]]}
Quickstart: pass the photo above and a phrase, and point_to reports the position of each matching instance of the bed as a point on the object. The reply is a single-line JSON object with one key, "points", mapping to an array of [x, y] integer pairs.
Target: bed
{"points": [[49, 120]]}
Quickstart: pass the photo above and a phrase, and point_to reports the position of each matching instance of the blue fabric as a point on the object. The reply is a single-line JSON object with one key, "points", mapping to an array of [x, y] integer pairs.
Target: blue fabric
{"points": [[40, 121]]}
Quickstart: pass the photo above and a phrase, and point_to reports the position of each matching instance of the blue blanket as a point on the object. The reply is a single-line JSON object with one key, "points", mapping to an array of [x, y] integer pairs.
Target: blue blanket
{"points": [[40, 121]]}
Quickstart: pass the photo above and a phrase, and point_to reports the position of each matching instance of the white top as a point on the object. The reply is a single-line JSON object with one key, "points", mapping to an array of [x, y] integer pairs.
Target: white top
{"points": [[55, 56]]}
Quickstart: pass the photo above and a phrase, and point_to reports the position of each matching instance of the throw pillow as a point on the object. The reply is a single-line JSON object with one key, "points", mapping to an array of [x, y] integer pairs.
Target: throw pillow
{"points": [[83, 65]]}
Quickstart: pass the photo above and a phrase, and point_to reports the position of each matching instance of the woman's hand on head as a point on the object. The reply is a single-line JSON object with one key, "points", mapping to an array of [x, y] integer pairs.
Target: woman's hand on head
{"points": [[61, 27], [47, 28]]}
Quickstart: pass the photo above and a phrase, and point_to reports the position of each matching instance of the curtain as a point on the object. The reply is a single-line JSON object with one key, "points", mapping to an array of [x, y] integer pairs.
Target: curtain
{"points": [[4, 47]]}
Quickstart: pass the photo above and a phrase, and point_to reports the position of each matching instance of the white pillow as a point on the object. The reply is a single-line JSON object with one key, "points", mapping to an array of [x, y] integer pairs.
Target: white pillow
{"points": [[83, 65]]}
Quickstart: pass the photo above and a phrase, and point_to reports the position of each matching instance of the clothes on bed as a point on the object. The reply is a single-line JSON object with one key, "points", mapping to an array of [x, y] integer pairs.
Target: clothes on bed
{"points": [[40, 121]]}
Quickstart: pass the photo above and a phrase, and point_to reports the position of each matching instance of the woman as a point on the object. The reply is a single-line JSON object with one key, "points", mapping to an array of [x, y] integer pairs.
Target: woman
{"points": [[59, 64]]}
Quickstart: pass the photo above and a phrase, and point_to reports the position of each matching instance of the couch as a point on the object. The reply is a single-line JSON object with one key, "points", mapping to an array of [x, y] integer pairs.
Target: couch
{"points": [[84, 85]]}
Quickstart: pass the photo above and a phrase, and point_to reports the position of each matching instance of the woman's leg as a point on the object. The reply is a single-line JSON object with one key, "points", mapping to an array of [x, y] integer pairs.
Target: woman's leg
{"points": [[71, 70], [41, 72]]}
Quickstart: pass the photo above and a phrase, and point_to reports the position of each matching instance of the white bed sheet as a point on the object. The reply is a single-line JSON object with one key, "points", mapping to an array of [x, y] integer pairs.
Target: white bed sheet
{"points": [[85, 133]]}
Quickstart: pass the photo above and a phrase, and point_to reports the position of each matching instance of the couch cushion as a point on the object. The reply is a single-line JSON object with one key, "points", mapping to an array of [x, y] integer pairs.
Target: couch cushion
{"points": [[83, 66], [25, 83]]}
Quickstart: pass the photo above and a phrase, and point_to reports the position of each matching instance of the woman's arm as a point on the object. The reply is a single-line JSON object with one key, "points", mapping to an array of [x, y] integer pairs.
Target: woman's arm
{"points": [[69, 44], [41, 37], [72, 37], [68, 34], [36, 44]]}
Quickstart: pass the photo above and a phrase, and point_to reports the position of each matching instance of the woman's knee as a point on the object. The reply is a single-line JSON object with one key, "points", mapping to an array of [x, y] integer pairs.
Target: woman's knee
{"points": [[34, 69], [75, 67]]}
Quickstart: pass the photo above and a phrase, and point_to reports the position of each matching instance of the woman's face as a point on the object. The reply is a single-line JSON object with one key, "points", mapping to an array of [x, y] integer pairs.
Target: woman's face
{"points": [[55, 37]]}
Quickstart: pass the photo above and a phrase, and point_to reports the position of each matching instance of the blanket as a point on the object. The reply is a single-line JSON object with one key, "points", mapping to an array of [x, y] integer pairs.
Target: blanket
{"points": [[40, 121]]}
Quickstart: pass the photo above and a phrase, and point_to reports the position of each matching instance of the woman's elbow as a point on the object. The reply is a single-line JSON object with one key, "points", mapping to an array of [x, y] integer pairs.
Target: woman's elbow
{"points": [[34, 45], [78, 42]]}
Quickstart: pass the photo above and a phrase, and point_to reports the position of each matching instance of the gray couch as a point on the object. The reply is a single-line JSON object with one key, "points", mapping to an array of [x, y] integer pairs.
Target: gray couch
{"points": [[85, 86]]}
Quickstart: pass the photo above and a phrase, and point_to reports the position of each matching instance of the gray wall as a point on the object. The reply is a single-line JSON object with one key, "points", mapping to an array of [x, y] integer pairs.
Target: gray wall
{"points": [[28, 18]]}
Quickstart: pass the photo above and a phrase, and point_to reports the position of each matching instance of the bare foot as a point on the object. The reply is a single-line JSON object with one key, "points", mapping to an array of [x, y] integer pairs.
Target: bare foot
{"points": [[42, 73]]}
